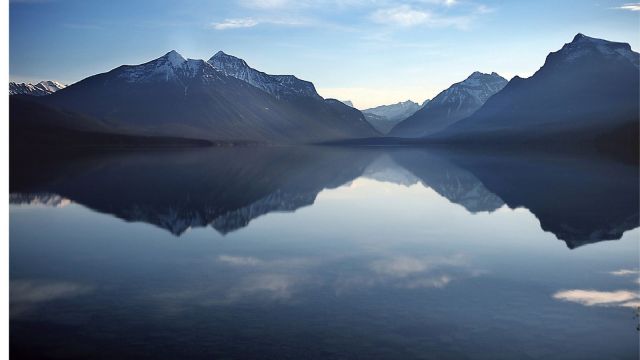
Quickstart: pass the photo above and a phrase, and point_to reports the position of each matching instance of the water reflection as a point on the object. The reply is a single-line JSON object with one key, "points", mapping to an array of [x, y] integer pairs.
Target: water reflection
{"points": [[405, 253], [579, 200]]}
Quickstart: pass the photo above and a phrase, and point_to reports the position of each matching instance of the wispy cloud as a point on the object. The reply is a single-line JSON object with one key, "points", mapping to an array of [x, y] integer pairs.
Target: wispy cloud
{"points": [[403, 15], [235, 24], [249, 22], [431, 13], [625, 272], [623, 298], [266, 4], [630, 6], [408, 16]]}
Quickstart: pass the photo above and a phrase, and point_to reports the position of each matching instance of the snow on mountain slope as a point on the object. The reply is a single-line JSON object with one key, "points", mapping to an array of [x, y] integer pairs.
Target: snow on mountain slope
{"points": [[385, 117], [170, 67], [174, 96], [40, 89], [451, 105], [394, 111], [276, 85]]}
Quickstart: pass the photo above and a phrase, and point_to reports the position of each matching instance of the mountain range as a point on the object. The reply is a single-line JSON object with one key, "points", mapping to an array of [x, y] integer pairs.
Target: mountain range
{"points": [[451, 105], [42, 88], [385, 117], [586, 92], [173, 96]]}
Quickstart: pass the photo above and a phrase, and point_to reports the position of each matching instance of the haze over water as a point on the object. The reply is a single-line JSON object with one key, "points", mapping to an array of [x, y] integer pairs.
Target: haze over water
{"points": [[323, 252]]}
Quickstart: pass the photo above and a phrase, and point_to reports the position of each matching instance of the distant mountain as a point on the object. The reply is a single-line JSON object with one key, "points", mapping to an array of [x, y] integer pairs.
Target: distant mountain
{"points": [[385, 117], [40, 89], [586, 91], [173, 96], [347, 102], [451, 105]]}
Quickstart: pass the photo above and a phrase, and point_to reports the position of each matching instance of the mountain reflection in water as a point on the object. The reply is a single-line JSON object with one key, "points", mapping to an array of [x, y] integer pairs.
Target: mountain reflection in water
{"points": [[579, 200]]}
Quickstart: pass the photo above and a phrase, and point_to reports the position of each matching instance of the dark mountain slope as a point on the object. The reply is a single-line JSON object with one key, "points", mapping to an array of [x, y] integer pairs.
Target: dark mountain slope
{"points": [[585, 92]]}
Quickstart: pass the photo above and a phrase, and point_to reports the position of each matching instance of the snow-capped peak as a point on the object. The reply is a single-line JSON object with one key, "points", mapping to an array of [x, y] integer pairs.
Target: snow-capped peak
{"points": [[477, 88], [42, 88], [169, 67], [174, 58], [276, 85], [229, 60], [51, 85]]}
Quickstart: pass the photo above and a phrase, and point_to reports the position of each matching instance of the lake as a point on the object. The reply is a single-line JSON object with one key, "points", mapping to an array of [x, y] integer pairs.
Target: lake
{"points": [[319, 252]]}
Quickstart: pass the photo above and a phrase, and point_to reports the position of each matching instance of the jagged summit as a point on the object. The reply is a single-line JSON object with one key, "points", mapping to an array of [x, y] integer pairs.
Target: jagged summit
{"points": [[174, 57], [584, 47], [221, 56], [587, 88], [277, 85], [385, 117], [169, 67], [221, 100], [580, 36], [480, 76], [42, 88], [451, 105], [478, 87]]}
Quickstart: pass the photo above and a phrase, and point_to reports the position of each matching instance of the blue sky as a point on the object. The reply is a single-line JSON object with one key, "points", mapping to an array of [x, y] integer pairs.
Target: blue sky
{"points": [[369, 51]]}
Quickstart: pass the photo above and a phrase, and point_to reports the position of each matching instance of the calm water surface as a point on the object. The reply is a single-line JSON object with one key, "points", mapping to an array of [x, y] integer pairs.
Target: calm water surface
{"points": [[300, 253]]}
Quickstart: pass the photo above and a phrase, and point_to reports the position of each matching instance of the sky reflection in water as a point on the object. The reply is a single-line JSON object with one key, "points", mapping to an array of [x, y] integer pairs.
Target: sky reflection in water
{"points": [[353, 254]]}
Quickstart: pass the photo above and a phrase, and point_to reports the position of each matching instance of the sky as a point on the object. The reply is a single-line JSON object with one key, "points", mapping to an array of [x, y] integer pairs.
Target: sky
{"points": [[371, 52]]}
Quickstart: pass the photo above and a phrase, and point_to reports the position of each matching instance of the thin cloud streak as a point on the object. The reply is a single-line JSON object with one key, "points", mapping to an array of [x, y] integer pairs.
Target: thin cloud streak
{"points": [[410, 16], [235, 24], [629, 7]]}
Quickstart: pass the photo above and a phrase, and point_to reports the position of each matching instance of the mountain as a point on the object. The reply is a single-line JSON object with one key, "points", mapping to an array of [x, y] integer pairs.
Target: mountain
{"points": [[585, 92], [451, 105], [385, 117], [33, 125], [40, 89], [347, 102], [176, 97], [280, 86]]}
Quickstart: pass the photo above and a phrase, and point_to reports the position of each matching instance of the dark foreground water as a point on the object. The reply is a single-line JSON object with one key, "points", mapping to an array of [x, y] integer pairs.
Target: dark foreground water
{"points": [[303, 253]]}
